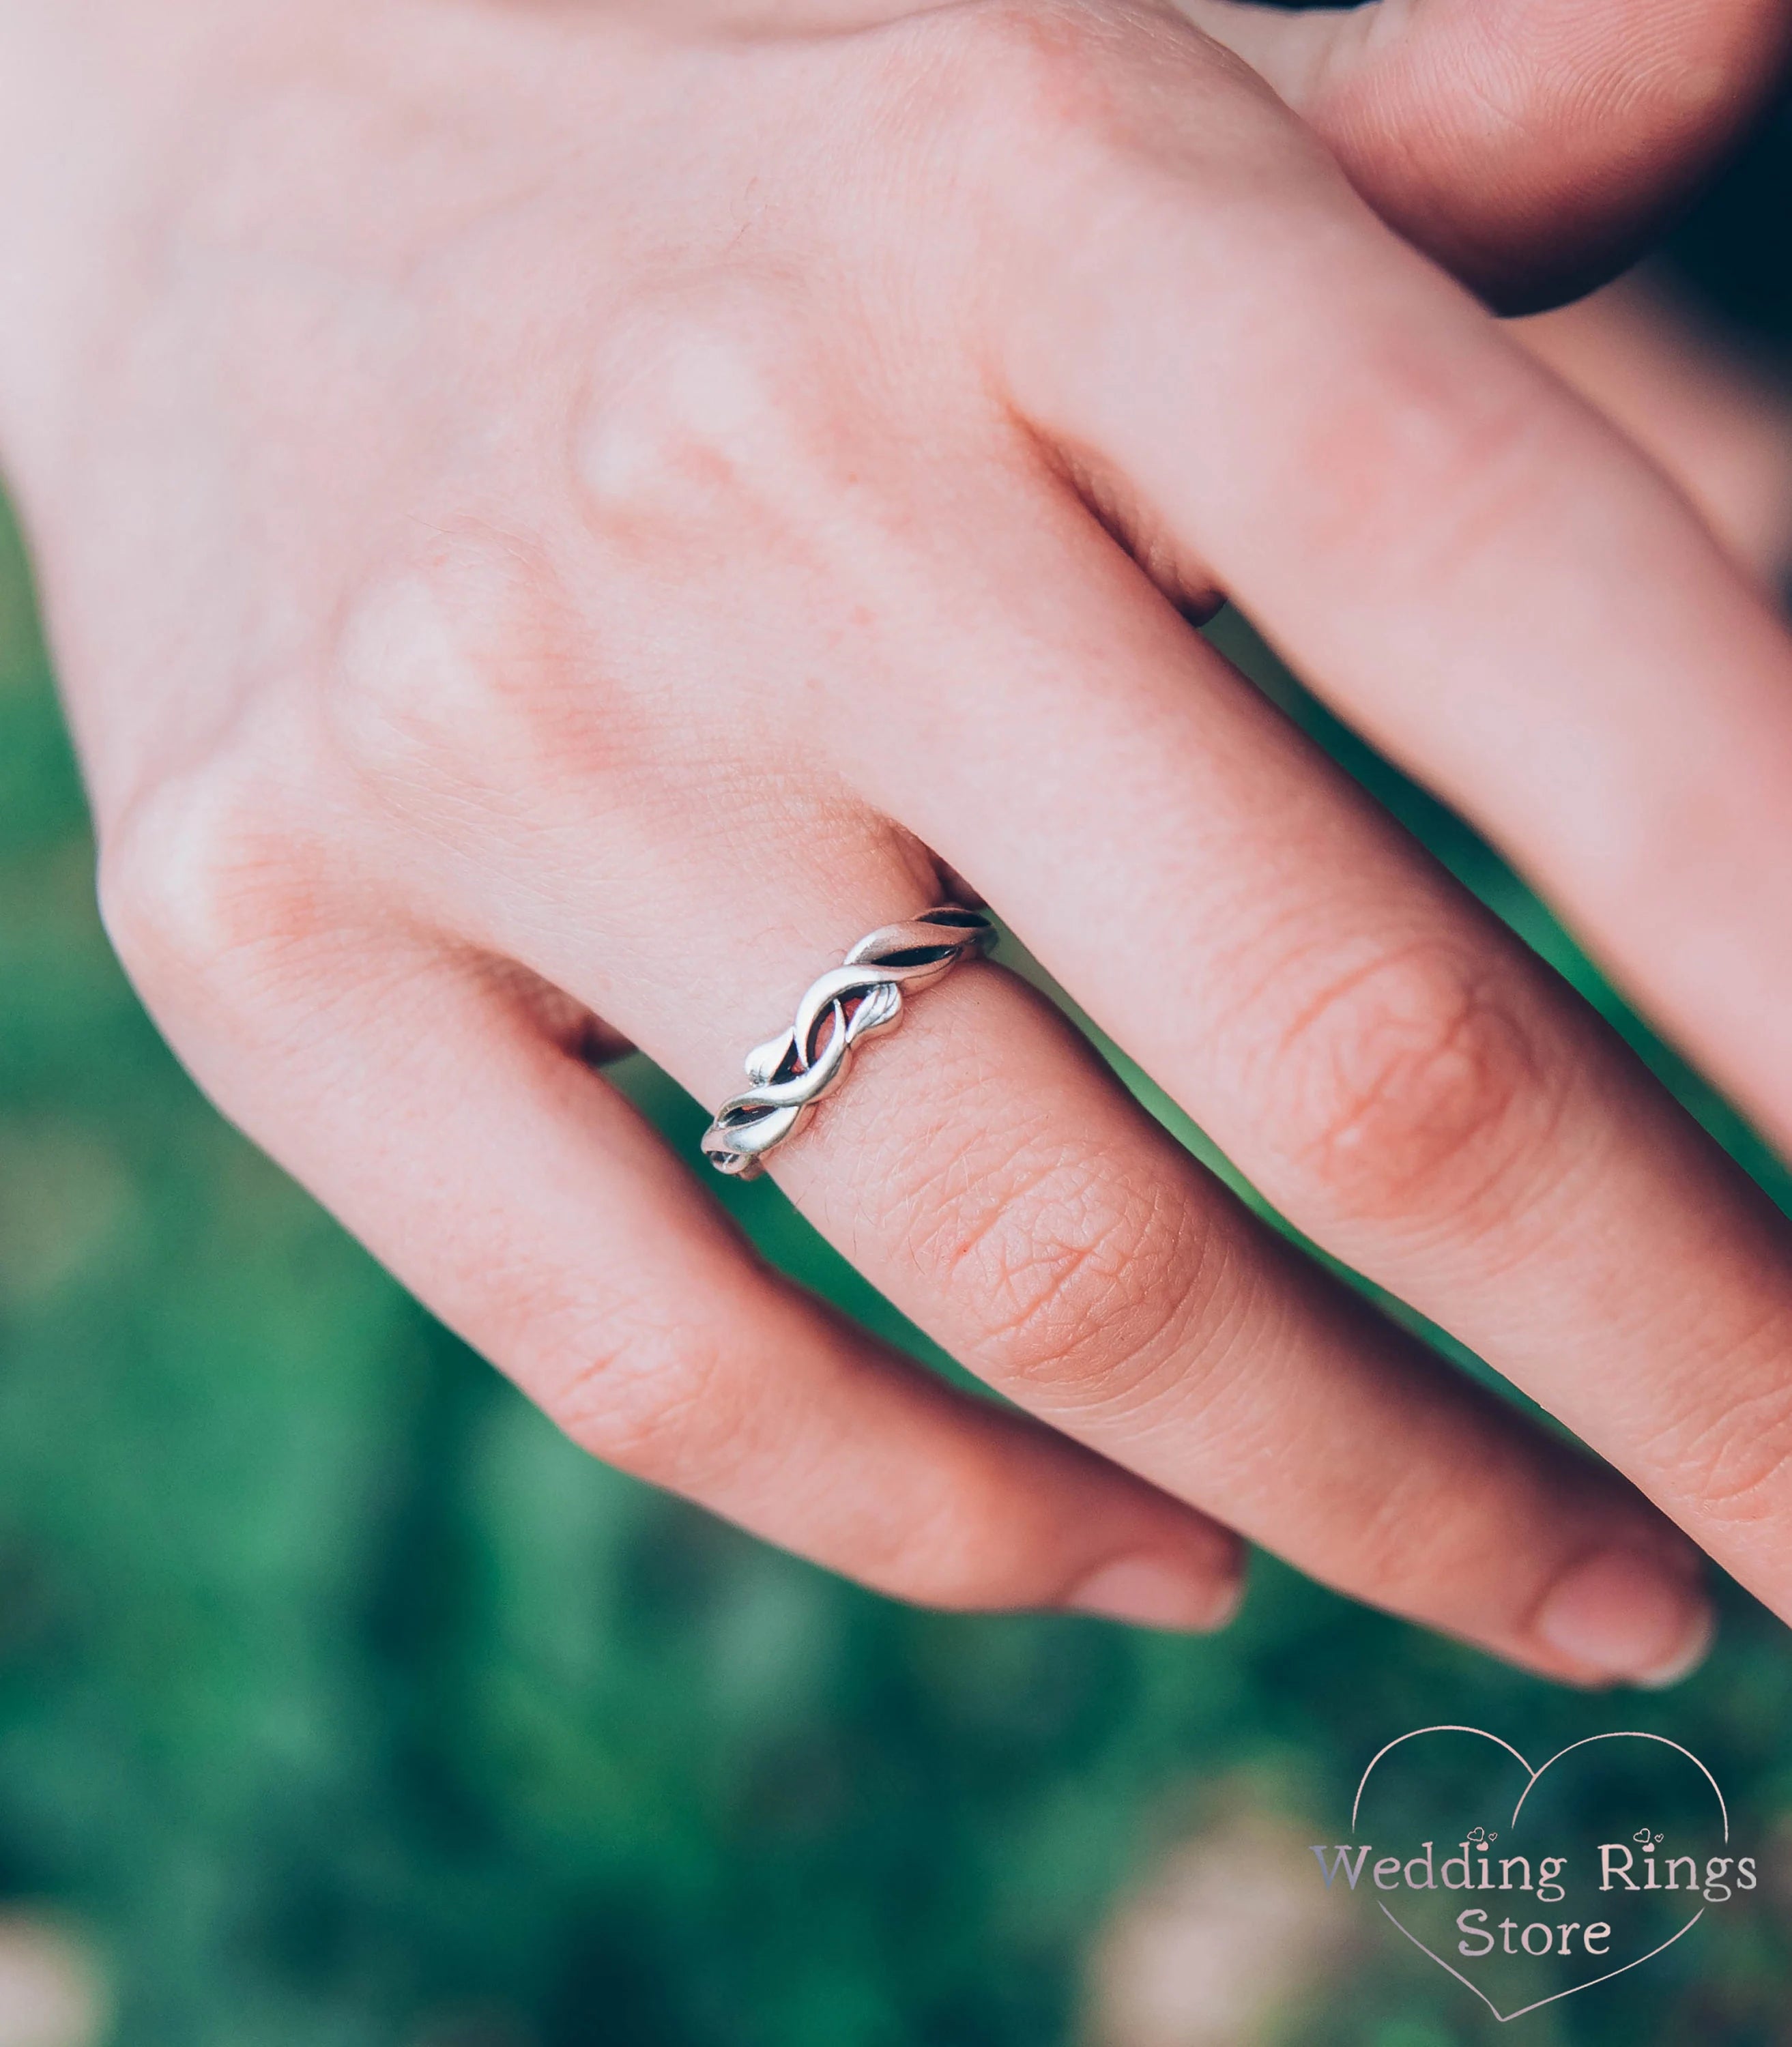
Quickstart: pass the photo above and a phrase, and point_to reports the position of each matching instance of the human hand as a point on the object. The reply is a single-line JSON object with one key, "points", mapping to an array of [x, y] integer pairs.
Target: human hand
{"points": [[550, 515]]}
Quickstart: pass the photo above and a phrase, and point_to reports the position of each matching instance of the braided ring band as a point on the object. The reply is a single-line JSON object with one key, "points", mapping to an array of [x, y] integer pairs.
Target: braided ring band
{"points": [[791, 1073]]}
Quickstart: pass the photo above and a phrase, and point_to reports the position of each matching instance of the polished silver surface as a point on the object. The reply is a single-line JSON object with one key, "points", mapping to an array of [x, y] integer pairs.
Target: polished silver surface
{"points": [[850, 1003]]}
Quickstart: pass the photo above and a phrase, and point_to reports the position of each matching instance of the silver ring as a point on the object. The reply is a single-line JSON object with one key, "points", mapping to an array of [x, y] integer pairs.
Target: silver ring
{"points": [[851, 1002]]}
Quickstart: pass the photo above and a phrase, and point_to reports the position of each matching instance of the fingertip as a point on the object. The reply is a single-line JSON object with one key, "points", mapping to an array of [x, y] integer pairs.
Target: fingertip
{"points": [[1534, 152], [1625, 1618], [1150, 1588]]}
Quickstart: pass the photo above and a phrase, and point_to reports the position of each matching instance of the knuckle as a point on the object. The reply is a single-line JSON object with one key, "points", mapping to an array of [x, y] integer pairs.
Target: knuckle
{"points": [[1412, 1086], [1085, 1277], [650, 1398], [701, 405], [1127, 98], [453, 676], [1073, 67], [1031, 69], [207, 882]]}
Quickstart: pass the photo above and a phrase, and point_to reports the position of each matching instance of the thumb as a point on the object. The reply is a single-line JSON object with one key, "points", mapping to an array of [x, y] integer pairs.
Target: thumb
{"points": [[1532, 146]]}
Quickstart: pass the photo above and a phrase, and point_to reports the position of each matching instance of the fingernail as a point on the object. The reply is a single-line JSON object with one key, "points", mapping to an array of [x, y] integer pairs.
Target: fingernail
{"points": [[1151, 1590], [1629, 1619]]}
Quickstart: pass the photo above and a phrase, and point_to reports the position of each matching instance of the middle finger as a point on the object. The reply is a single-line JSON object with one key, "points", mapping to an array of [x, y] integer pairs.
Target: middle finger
{"points": [[1399, 1075]]}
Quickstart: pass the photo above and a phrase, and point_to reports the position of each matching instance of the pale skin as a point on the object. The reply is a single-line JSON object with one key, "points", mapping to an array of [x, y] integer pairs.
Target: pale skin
{"points": [[555, 520], [1717, 420]]}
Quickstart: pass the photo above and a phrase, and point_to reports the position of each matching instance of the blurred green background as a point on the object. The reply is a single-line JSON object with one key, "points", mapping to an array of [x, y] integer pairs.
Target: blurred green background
{"points": [[342, 1703]]}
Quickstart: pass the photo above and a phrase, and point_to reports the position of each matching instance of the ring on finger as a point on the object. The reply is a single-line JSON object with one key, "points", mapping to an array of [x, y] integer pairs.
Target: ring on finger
{"points": [[857, 1000]]}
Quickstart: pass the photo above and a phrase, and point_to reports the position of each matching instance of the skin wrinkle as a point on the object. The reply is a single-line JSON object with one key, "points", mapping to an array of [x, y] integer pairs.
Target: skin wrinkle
{"points": [[934, 1206], [644, 1399], [1447, 1070], [1035, 1226], [1073, 1332], [1229, 1342], [939, 1238], [1735, 1459]]}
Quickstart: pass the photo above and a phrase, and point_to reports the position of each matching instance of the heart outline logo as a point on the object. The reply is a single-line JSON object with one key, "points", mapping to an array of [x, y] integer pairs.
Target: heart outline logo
{"points": [[1533, 1777]]}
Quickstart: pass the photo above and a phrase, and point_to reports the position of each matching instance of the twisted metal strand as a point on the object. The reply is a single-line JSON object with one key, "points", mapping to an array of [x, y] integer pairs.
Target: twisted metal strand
{"points": [[856, 1001]]}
